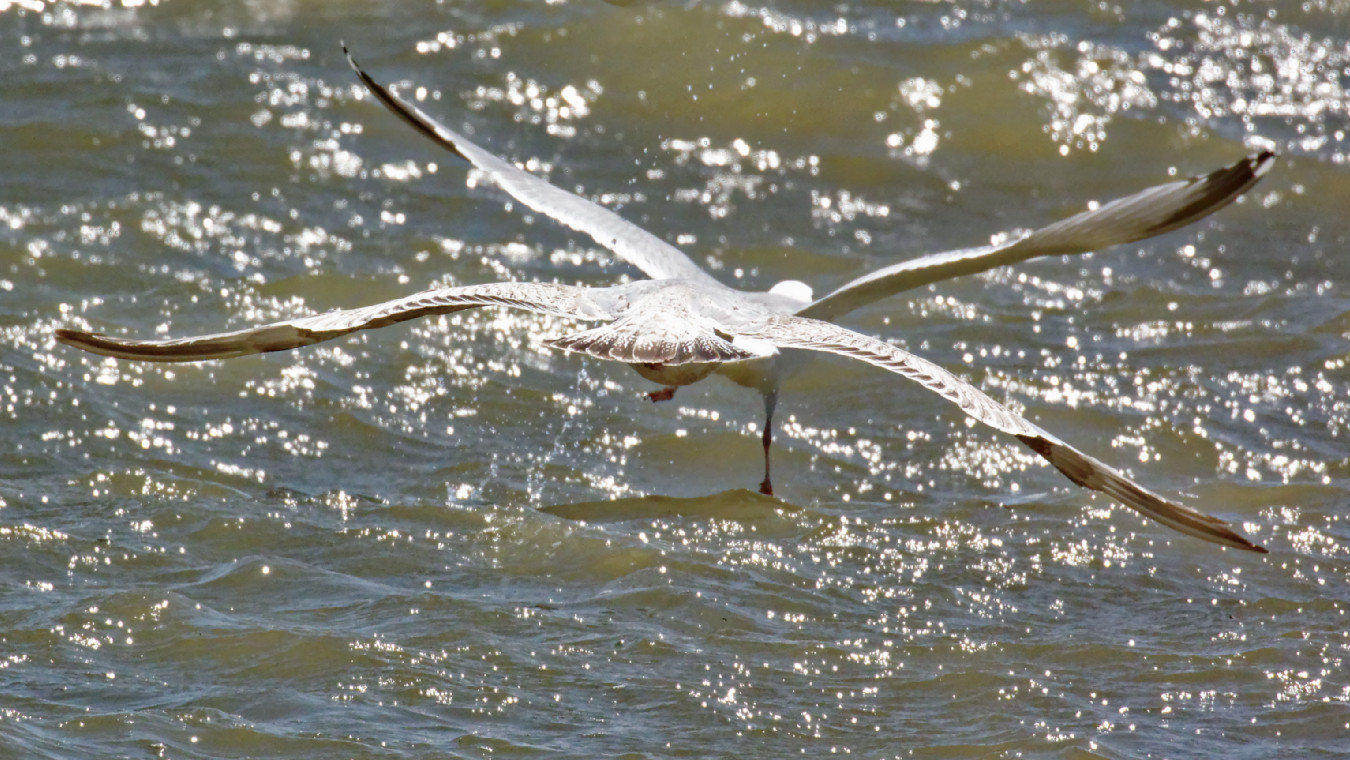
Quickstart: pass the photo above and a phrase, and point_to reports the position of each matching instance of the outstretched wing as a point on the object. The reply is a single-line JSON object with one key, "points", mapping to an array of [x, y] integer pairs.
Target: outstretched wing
{"points": [[1158, 209], [658, 259], [560, 300], [798, 332]]}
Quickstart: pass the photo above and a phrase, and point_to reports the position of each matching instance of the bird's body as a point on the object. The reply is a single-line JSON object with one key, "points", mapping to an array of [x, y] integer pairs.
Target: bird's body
{"points": [[682, 325]]}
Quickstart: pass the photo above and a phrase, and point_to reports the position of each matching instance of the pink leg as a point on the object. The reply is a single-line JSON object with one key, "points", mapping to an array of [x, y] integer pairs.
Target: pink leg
{"points": [[770, 401], [665, 394], [766, 487]]}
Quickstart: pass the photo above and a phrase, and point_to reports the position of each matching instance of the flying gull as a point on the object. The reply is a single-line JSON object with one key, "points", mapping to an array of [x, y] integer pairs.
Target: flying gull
{"points": [[681, 325]]}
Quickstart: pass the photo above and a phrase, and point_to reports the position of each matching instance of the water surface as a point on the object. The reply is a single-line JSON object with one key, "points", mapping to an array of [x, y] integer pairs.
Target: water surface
{"points": [[444, 540]]}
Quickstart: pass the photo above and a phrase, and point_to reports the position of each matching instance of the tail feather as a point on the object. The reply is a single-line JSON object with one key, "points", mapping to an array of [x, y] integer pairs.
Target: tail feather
{"points": [[634, 343]]}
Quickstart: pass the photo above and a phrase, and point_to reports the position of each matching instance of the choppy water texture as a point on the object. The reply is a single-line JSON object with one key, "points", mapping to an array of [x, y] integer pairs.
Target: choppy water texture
{"points": [[443, 540]]}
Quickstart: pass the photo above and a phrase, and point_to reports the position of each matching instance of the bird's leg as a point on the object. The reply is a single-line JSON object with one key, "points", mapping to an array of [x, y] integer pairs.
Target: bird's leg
{"points": [[665, 394], [770, 401]]}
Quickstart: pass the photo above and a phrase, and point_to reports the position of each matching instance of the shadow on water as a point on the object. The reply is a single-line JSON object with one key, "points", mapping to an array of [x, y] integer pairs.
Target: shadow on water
{"points": [[736, 504]]}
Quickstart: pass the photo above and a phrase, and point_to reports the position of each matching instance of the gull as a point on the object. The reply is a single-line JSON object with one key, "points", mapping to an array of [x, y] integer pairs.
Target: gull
{"points": [[681, 325]]}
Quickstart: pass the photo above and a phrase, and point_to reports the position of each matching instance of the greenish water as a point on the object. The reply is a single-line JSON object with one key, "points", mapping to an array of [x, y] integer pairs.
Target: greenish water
{"points": [[444, 540]]}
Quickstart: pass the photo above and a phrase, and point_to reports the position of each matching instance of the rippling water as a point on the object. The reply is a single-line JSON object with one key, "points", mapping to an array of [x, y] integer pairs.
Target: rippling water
{"points": [[444, 540]]}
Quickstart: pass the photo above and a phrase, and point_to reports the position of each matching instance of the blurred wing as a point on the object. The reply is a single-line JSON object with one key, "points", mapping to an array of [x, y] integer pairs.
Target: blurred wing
{"points": [[1151, 212], [797, 332], [656, 258], [560, 300]]}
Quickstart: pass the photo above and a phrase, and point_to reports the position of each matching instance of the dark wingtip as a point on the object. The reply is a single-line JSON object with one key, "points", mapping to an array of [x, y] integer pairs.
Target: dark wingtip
{"points": [[350, 60], [1076, 467], [409, 113], [1245, 544], [1262, 162], [74, 337], [1221, 187]]}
